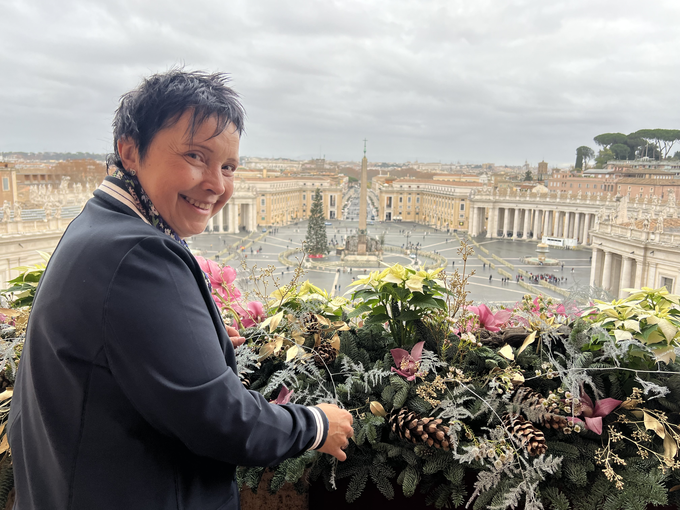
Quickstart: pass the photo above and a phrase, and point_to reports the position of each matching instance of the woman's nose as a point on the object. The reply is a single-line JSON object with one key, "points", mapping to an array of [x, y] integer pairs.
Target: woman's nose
{"points": [[213, 180]]}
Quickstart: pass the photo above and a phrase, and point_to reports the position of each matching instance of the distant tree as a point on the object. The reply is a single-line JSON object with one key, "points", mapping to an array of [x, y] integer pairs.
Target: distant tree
{"points": [[583, 155], [608, 139], [602, 157], [664, 139], [620, 150], [316, 242], [528, 176]]}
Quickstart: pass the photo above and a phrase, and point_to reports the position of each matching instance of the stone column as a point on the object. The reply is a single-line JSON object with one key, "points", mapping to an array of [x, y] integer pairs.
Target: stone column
{"points": [[527, 224], [626, 276], [593, 267], [639, 269], [233, 218], [506, 222], [210, 224], [607, 271], [492, 222], [472, 229], [586, 227], [515, 223], [546, 222], [537, 224], [577, 227], [220, 220]]}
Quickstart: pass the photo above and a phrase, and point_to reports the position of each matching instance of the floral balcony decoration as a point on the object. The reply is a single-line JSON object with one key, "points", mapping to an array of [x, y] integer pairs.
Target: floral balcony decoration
{"points": [[535, 405], [407, 365]]}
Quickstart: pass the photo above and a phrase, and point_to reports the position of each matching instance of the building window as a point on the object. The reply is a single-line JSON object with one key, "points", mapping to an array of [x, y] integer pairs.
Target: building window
{"points": [[462, 207], [5, 184], [332, 200], [401, 199], [388, 201], [417, 200], [408, 200], [263, 201], [668, 283]]}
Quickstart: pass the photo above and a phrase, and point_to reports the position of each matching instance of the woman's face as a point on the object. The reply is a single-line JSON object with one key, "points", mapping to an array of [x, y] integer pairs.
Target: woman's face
{"points": [[188, 181]]}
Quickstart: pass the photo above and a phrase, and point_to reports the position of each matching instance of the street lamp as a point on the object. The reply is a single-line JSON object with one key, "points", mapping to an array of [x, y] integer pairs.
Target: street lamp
{"points": [[416, 255]]}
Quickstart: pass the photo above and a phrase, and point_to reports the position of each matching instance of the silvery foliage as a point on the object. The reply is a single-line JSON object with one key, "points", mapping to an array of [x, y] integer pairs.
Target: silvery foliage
{"points": [[528, 471], [288, 376], [572, 367], [655, 390], [454, 409], [430, 361], [247, 360], [356, 373], [7, 349]]}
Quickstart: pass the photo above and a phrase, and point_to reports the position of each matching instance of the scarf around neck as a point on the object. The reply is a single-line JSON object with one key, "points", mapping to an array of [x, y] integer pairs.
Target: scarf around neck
{"points": [[144, 204]]}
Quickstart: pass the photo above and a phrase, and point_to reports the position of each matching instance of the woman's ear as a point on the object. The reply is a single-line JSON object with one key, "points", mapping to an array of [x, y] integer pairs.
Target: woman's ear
{"points": [[129, 155]]}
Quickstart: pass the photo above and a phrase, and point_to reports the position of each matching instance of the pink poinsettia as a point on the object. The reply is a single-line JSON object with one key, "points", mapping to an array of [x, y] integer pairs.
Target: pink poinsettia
{"points": [[593, 414], [489, 320], [284, 396], [408, 364]]}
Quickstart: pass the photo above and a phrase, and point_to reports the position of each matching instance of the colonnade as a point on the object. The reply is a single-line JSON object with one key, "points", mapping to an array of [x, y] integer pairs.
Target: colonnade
{"points": [[233, 216], [529, 223], [614, 272]]}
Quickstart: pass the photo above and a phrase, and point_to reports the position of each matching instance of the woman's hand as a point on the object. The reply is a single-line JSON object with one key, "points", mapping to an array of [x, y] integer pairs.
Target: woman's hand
{"points": [[339, 430], [235, 336]]}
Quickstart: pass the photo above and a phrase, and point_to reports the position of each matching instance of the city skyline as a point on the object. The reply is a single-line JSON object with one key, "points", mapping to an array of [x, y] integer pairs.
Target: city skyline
{"points": [[449, 82]]}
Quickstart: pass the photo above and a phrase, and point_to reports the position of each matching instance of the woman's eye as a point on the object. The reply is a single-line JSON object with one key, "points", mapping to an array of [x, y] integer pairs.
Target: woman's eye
{"points": [[193, 155], [228, 169]]}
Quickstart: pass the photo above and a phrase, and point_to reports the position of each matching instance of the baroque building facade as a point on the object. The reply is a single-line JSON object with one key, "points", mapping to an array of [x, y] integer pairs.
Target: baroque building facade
{"points": [[260, 201], [438, 203]]}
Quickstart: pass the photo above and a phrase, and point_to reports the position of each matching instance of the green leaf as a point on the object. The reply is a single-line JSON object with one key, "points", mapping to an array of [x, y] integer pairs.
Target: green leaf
{"points": [[359, 310], [408, 315]]}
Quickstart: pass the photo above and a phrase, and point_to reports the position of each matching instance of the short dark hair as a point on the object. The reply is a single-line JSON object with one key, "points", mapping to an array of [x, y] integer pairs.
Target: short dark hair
{"points": [[163, 98]]}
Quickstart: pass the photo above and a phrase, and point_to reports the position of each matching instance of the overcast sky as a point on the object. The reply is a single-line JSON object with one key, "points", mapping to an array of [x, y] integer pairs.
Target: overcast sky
{"points": [[458, 80]]}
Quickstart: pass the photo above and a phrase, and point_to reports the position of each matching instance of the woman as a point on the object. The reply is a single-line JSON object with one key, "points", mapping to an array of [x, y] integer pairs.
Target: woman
{"points": [[127, 395]]}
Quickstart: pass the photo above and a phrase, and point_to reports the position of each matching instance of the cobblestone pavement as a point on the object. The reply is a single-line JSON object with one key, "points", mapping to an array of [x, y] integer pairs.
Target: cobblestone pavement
{"points": [[576, 267]]}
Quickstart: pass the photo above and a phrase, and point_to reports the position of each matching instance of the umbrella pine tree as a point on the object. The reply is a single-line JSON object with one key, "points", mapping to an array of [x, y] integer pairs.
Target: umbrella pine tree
{"points": [[316, 242]]}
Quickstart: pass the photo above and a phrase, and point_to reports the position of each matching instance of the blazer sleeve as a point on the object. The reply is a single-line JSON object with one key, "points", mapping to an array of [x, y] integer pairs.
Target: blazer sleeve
{"points": [[164, 352]]}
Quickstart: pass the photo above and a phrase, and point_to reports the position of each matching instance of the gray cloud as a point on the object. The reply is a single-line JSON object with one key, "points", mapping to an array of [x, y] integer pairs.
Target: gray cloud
{"points": [[484, 81]]}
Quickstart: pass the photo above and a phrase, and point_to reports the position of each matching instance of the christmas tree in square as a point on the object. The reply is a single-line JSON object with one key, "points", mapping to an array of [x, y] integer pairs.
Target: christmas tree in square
{"points": [[316, 244]]}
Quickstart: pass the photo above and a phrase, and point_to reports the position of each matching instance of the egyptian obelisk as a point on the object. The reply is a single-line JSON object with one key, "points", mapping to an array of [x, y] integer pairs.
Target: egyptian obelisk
{"points": [[363, 200]]}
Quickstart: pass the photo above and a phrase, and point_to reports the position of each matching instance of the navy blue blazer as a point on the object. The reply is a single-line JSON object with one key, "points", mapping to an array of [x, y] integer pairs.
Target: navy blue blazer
{"points": [[127, 395]]}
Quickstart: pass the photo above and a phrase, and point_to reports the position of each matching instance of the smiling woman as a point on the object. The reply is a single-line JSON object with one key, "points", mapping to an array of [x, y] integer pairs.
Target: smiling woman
{"points": [[128, 394]]}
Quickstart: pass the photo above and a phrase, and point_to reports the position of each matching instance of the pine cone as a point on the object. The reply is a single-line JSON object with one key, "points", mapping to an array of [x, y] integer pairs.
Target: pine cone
{"points": [[410, 426], [310, 323], [529, 436], [324, 355], [526, 397]]}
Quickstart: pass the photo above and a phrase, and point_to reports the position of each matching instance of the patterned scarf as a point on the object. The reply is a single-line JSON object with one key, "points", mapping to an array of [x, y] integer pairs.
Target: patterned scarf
{"points": [[144, 204]]}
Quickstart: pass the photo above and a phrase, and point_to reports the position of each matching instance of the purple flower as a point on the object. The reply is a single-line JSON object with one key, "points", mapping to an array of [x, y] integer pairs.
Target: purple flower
{"points": [[284, 396], [408, 364], [593, 414]]}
